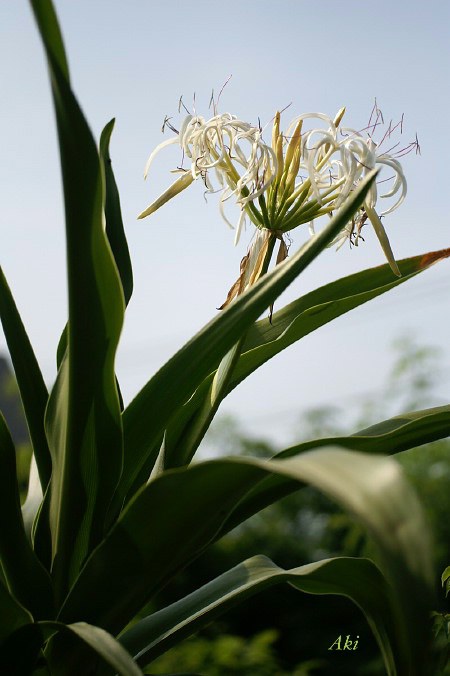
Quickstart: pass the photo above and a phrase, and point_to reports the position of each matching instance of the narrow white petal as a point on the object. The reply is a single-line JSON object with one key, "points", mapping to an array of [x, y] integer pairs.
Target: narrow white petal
{"points": [[162, 145]]}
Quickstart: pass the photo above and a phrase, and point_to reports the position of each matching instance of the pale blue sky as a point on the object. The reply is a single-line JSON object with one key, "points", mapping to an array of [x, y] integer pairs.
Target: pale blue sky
{"points": [[132, 60]]}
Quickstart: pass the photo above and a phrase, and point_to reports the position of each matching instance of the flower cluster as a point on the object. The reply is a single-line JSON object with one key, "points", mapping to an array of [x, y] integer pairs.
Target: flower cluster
{"points": [[301, 176], [229, 149]]}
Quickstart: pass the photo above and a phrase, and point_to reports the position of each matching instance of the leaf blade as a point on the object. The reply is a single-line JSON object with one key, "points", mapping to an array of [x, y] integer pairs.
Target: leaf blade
{"points": [[148, 414], [265, 339], [113, 215], [83, 420], [301, 317], [13, 614], [193, 502], [33, 390], [391, 436], [20, 651], [26, 578], [358, 579]]}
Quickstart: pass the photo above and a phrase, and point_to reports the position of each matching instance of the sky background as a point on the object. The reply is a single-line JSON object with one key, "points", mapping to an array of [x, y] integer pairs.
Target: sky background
{"points": [[132, 61]]}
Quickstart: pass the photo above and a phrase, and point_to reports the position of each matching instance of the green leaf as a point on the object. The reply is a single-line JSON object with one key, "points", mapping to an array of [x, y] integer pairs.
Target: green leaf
{"points": [[114, 231], [33, 500], [18, 654], [141, 555], [210, 401], [149, 413], [26, 578], [83, 421], [62, 346], [51, 34], [113, 216], [33, 391], [445, 580], [13, 615], [40, 532], [199, 424], [358, 579], [296, 320], [391, 436], [110, 650], [266, 338]]}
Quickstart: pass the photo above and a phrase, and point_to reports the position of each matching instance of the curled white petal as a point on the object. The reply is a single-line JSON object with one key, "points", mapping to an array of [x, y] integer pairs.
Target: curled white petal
{"points": [[162, 145]]}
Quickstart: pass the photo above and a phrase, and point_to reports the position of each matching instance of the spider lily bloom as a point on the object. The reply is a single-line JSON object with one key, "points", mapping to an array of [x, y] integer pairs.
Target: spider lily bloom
{"points": [[303, 175], [262, 179], [333, 161], [361, 155], [233, 152]]}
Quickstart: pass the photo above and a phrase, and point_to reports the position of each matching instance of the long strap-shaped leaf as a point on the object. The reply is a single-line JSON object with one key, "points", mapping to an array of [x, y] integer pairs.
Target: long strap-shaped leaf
{"points": [[114, 225], [18, 654], [395, 435], [143, 554], [115, 233], [33, 391], [83, 420], [51, 33], [151, 410], [33, 500], [358, 579], [113, 216], [26, 578], [13, 615], [302, 316], [114, 230], [218, 386], [266, 339]]}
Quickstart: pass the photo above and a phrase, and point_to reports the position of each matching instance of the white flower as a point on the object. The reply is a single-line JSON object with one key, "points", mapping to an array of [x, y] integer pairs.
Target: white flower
{"points": [[303, 175], [335, 160], [228, 149]]}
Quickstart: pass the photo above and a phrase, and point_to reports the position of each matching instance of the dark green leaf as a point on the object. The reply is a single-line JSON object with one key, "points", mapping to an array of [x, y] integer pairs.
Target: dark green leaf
{"points": [[33, 500], [18, 654], [62, 346], [20, 651], [113, 216], [358, 579], [265, 339], [26, 578], [13, 615], [51, 34], [98, 640], [395, 435], [141, 554], [83, 420], [31, 384], [445, 579], [152, 409]]}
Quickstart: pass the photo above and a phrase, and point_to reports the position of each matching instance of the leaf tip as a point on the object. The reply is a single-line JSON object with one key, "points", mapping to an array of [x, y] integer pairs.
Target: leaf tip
{"points": [[433, 257]]}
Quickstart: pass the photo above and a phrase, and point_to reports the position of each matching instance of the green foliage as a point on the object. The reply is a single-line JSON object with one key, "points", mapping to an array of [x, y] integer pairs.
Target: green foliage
{"points": [[229, 655], [115, 510], [446, 580], [29, 378], [306, 526]]}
